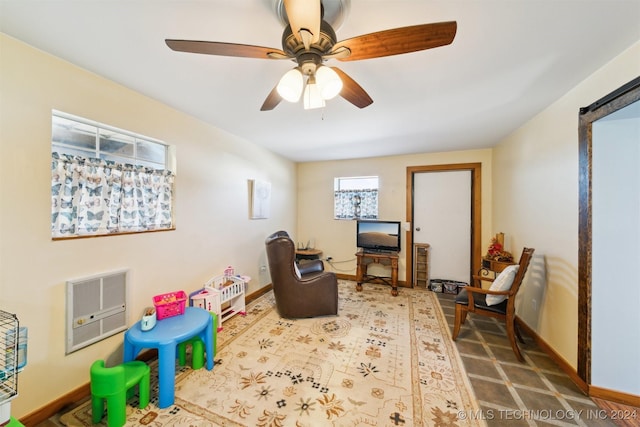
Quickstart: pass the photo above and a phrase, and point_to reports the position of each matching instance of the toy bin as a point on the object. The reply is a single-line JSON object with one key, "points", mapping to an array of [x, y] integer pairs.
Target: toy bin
{"points": [[205, 299], [170, 304]]}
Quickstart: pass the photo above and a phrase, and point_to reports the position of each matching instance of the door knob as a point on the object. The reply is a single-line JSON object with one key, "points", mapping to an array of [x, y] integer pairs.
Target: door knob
{"points": [[417, 228]]}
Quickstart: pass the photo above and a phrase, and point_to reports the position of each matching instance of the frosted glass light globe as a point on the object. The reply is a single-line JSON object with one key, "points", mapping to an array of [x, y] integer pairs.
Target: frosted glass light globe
{"points": [[328, 81], [290, 85]]}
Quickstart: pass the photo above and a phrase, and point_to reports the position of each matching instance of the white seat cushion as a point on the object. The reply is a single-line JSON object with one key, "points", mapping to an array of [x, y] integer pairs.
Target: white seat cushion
{"points": [[502, 283]]}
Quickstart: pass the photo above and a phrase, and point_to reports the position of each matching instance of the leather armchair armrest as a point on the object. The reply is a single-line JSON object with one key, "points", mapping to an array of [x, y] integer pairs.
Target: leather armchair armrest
{"points": [[312, 266]]}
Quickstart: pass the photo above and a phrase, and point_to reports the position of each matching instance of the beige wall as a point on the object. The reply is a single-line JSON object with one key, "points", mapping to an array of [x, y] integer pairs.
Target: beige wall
{"points": [[535, 187], [213, 225], [337, 238]]}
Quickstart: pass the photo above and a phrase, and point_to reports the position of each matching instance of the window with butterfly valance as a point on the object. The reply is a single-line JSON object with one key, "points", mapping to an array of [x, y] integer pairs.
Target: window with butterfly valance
{"points": [[106, 181]]}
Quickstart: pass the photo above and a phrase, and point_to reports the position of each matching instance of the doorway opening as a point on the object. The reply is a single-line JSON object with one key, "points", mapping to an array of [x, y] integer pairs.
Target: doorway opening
{"points": [[625, 96], [476, 204]]}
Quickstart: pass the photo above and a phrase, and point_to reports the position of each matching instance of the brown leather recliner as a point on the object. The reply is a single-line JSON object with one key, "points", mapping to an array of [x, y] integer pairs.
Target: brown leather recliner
{"points": [[313, 293]]}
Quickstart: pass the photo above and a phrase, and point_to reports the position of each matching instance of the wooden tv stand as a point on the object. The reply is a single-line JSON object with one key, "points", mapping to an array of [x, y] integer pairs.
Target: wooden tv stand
{"points": [[382, 258]]}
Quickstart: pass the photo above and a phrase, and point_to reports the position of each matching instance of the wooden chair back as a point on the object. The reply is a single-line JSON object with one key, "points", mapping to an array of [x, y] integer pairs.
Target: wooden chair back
{"points": [[525, 260]]}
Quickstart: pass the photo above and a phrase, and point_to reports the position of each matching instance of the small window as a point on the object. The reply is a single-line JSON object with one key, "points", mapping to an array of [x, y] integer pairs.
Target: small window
{"points": [[106, 180], [355, 197], [76, 136]]}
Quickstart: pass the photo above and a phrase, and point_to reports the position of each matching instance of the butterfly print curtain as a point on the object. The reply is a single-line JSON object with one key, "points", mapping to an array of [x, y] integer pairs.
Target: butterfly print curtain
{"points": [[93, 197], [350, 204]]}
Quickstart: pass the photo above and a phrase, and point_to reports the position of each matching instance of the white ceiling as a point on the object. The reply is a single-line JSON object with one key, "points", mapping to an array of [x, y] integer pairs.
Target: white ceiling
{"points": [[510, 59]]}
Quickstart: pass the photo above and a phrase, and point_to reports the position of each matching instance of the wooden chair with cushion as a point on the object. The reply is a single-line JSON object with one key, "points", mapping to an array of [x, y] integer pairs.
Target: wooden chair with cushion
{"points": [[498, 301]]}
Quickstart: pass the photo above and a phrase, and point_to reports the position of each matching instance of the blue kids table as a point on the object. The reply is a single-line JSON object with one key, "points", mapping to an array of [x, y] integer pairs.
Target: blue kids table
{"points": [[166, 336]]}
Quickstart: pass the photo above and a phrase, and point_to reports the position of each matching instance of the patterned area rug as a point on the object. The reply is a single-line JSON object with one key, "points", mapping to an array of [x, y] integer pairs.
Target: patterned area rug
{"points": [[384, 361]]}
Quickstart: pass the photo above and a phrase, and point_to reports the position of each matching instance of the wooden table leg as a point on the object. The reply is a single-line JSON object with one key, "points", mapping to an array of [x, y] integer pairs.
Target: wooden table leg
{"points": [[360, 273], [394, 277]]}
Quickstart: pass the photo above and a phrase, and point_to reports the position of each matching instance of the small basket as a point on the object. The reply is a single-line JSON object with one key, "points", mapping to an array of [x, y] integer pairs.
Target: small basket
{"points": [[452, 287], [170, 304], [436, 285]]}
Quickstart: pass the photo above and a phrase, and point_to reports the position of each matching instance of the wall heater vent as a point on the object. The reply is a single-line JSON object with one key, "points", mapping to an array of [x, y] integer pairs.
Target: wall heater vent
{"points": [[96, 308]]}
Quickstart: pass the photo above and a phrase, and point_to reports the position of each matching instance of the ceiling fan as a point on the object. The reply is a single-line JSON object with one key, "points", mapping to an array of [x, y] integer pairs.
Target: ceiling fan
{"points": [[310, 41]]}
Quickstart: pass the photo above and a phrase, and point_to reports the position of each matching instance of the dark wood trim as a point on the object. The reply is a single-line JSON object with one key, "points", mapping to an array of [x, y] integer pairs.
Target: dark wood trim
{"points": [[584, 250], [616, 100], [587, 389], [59, 405], [120, 233], [614, 396], [562, 363], [257, 294], [70, 399], [476, 212]]}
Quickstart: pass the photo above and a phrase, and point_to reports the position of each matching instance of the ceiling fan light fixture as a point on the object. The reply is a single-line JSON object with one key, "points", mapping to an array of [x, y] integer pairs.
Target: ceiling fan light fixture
{"points": [[312, 96], [328, 81], [291, 85]]}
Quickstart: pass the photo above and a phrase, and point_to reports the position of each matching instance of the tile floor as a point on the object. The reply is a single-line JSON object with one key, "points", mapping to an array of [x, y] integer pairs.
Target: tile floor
{"points": [[510, 393]]}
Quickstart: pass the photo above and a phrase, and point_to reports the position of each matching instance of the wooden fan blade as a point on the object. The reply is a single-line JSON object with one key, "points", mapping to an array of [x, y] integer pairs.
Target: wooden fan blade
{"points": [[352, 91], [226, 49], [398, 40], [272, 101], [304, 15]]}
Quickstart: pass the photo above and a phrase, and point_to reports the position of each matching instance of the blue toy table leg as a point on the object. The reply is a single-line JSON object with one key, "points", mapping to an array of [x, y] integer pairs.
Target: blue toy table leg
{"points": [[166, 374], [208, 342]]}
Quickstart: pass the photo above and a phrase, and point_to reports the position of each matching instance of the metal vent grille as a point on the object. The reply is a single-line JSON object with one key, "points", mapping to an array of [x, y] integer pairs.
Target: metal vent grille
{"points": [[96, 309]]}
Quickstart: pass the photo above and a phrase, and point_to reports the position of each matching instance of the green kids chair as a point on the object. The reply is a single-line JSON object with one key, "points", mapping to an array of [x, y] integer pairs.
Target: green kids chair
{"points": [[115, 385], [197, 347]]}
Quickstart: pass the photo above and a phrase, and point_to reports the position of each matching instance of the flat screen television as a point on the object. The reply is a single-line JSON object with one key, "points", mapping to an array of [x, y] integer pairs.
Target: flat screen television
{"points": [[378, 236]]}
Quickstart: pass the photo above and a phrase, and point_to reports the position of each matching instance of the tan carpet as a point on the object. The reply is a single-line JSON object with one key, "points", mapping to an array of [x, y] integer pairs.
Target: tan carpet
{"points": [[383, 361]]}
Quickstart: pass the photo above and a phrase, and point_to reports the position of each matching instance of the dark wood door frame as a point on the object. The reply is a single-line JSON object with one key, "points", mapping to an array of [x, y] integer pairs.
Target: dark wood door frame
{"points": [[476, 211], [616, 100]]}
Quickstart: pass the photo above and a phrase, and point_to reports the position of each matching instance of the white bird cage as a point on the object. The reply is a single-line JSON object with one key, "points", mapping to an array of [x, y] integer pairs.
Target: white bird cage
{"points": [[13, 349]]}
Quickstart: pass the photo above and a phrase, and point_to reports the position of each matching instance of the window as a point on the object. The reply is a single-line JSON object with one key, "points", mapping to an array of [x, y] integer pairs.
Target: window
{"points": [[106, 180], [355, 197], [75, 136]]}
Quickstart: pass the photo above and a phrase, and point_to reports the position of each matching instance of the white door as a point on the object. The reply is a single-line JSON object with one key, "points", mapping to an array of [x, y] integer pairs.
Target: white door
{"points": [[442, 218]]}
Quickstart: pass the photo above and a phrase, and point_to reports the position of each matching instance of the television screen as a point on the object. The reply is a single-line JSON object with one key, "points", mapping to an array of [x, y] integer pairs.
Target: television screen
{"points": [[378, 235]]}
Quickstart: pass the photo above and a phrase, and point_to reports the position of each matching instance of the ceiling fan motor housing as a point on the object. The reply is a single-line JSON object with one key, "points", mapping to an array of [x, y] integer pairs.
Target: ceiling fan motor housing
{"points": [[309, 59]]}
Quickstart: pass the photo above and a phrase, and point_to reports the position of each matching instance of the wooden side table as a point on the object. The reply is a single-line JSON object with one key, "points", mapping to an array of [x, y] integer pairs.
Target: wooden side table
{"points": [[366, 258], [308, 254], [491, 266]]}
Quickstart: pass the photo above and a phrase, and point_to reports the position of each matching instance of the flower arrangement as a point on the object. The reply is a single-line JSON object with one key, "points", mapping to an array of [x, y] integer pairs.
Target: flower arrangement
{"points": [[496, 251]]}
